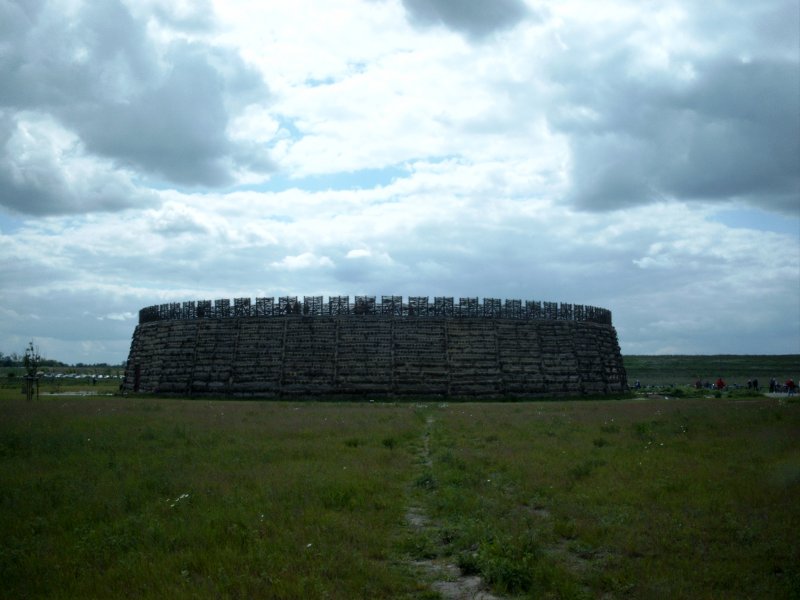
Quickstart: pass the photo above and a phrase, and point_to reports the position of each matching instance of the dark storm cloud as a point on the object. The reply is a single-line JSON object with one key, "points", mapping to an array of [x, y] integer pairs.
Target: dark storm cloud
{"points": [[175, 129], [49, 193], [475, 18], [44, 171], [54, 61], [98, 75], [730, 131], [718, 126]]}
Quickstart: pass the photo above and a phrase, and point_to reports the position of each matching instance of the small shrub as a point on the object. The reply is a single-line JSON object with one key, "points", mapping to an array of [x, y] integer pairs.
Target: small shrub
{"points": [[389, 443], [565, 528], [600, 442], [509, 564], [352, 442], [469, 563]]}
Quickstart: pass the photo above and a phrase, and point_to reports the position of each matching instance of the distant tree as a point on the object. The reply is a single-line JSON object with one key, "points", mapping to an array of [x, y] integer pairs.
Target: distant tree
{"points": [[49, 362], [31, 362], [9, 360]]}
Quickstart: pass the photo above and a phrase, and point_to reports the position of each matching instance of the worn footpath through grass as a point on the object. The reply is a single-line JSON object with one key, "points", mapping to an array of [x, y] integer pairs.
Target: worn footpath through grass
{"points": [[624, 499], [117, 497]]}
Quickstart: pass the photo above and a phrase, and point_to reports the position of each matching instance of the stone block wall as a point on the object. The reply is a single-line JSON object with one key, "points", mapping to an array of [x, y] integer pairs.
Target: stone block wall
{"points": [[298, 355]]}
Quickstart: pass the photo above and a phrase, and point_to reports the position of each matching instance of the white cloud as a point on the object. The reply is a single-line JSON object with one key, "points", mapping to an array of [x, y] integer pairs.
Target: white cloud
{"points": [[655, 109], [306, 260], [359, 253], [125, 316]]}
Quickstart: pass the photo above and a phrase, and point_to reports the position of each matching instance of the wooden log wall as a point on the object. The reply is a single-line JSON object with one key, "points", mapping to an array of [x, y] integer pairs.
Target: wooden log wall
{"points": [[384, 354], [416, 307]]}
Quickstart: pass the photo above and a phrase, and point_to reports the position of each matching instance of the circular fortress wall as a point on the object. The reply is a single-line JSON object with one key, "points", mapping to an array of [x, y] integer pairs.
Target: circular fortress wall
{"points": [[308, 347]]}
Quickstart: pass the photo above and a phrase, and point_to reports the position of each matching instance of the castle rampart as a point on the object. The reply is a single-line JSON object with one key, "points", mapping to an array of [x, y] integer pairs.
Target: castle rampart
{"points": [[296, 348], [389, 306]]}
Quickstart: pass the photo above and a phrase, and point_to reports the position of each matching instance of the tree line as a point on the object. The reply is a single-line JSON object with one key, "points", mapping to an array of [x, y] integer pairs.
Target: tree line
{"points": [[18, 360]]}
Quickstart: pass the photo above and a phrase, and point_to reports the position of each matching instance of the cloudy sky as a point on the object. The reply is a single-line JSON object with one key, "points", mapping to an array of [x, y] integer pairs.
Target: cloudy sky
{"points": [[639, 156]]}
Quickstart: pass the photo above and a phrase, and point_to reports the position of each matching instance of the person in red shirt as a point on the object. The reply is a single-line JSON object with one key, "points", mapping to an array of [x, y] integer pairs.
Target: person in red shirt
{"points": [[790, 386], [720, 385]]}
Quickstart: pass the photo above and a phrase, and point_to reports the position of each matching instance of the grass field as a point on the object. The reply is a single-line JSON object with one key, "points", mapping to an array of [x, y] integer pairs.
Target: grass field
{"points": [[735, 369], [109, 497]]}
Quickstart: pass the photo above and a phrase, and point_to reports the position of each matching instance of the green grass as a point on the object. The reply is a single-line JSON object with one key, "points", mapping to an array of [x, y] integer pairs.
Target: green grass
{"points": [[147, 497], [159, 498], [630, 499], [682, 370]]}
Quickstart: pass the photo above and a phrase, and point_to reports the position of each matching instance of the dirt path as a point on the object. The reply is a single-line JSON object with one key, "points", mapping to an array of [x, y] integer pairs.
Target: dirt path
{"points": [[445, 577]]}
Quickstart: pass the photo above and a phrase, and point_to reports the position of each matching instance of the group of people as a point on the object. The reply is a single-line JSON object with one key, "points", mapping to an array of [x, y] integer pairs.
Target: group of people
{"points": [[790, 387], [719, 384]]}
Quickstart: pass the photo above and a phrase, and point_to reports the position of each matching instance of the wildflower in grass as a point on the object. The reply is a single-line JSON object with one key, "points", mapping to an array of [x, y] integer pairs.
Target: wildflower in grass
{"points": [[178, 499]]}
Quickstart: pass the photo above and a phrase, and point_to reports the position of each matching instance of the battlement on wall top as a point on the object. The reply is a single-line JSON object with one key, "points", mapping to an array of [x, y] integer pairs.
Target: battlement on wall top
{"points": [[389, 306]]}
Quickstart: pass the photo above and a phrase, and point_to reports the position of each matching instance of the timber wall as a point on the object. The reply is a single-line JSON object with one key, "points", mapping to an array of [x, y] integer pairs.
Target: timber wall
{"points": [[377, 354]]}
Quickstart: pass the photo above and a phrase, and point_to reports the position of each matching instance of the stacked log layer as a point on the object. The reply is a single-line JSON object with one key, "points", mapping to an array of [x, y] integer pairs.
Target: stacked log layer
{"points": [[353, 355]]}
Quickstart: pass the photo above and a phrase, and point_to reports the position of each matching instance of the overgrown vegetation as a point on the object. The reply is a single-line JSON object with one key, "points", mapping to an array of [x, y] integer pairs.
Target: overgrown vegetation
{"points": [[625, 499], [146, 497]]}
